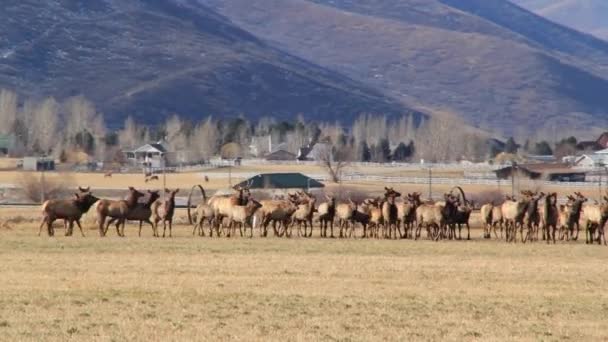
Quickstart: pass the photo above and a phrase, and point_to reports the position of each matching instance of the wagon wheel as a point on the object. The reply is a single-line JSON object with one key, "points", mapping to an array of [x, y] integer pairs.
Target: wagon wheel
{"points": [[464, 197], [190, 200]]}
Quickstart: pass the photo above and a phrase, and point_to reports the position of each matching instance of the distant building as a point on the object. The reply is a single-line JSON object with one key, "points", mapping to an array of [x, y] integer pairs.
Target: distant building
{"points": [[281, 181], [7, 143], [313, 153], [591, 160], [38, 164], [280, 155], [594, 145], [151, 155], [542, 171]]}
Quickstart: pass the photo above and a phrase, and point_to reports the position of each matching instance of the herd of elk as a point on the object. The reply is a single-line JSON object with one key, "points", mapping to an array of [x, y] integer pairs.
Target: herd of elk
{"points": [[534, 215], [548, 220]]}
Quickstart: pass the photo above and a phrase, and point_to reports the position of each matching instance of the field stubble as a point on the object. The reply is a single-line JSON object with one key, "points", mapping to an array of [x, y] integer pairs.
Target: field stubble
{"points": [[189, 288]]}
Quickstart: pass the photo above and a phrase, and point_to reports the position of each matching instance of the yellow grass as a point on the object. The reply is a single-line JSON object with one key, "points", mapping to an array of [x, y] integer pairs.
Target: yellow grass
{"points": [[187, 288]]}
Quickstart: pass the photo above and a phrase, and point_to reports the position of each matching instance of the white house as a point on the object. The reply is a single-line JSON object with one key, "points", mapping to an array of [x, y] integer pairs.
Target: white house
{"points": [[591, 160], [150, 155]]}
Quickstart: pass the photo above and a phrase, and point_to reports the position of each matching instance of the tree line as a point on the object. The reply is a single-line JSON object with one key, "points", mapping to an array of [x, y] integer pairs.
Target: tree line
{"points": [[62, 129]]}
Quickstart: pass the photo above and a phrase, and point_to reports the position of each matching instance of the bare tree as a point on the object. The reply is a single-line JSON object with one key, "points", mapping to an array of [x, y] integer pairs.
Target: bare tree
{"points": [[205, 139], [333, 160], [8, 110], [45, 125]]}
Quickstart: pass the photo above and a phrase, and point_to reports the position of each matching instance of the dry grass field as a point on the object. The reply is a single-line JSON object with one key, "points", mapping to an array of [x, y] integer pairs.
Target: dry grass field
{"points": [[271, 289], [185, 288]]}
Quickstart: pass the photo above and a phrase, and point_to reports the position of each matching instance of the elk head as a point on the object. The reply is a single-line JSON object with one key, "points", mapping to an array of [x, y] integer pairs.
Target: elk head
{"points": [[84, 190]]}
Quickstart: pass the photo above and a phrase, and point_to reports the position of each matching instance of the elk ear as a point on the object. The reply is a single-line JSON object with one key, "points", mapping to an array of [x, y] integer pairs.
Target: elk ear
{"points": [[167, 190], [176, 191], [131, 188], [76, 195]]}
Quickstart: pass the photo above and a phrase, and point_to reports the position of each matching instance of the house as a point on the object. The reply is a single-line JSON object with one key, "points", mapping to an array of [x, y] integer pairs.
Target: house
{"points": [[151, 155], [594, 145], [556, 172], [38, 164], [280, 155], [263, 145], [7, 143], [280, 181], [314, 153], [591, 160]]}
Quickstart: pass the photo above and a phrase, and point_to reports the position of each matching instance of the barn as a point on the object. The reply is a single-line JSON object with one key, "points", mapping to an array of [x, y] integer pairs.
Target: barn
{"points": [[280, 181], [543, 171]]}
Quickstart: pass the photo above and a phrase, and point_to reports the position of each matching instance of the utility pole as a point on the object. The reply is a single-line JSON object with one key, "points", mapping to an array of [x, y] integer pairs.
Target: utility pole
{"points": [[430, 183]]}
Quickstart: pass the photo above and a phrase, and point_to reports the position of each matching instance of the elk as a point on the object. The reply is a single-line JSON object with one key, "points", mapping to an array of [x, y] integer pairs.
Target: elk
{"points": [[362, 215], [497, 221], [327, 212], [532, 217], [70, 210], [575, 214], [116, 209], [462, 215], [164, 211], [277, 211], [222, 204], [549, 217], [486, 217], [242, 215], [373, 208], [203, 212], [142, 212], [406, 211], [345, 212], [304, 213], [390, 213], [513, 212], [151, 178], [429, 216], [107, 174]]}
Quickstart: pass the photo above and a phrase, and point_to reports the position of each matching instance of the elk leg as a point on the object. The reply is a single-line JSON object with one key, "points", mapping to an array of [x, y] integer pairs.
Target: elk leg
{"points": [[44, 219], [164, 227], [80, 227], [170, 227]]}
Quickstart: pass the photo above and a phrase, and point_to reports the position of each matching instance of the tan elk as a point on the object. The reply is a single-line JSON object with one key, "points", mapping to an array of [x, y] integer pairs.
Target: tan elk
{"points": [[69, 210], [304, 214], [277, 211], [532, 216], [222, 204], [513, 212], [163, 211], [406, 211], [344, 212], [327, 212], [142, 212], [373, 209], [116, 209], [486, 218], [242, 215]]}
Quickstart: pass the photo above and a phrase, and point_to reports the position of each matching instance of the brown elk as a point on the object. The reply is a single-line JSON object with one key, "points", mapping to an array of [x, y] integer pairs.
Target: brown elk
{"points": [[163, 211], [461, 215], [390, 213], [116, 209], [327, 212], [532, 216], [575, 214], [550, 217], [68, 210], [107, 174], [142, 212], [278, 211], [242, 215], [151, 178]]}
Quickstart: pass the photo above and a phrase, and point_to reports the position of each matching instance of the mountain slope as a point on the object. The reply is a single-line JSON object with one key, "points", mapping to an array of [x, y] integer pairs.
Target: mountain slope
{"points": [[488, 61], [154, 57], [590, 16]]}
